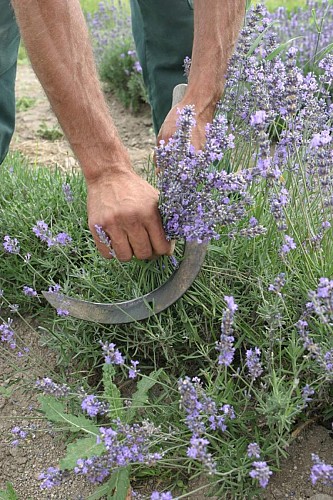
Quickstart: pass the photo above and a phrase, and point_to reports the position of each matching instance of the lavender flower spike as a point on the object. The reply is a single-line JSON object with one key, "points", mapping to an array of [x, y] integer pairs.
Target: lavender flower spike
{"points": [[261, 472], [321, 472]]}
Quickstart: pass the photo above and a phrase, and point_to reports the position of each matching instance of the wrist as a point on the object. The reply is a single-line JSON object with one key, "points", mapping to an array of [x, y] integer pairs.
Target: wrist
{"points": [[103, 161]]}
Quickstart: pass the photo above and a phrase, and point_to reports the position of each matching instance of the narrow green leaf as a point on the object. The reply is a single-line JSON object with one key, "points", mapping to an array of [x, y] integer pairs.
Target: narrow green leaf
{"points": [[141, 396], [55, 411], [111, 391], [257, 41], [9, 493], [281, 48], [82, 448]]}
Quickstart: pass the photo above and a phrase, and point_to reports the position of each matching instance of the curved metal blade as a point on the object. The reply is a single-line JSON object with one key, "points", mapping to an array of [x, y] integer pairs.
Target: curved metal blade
{"points": [[145, 306]]}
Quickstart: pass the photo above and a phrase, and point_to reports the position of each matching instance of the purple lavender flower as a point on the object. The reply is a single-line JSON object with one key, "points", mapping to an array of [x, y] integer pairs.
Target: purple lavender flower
{"points": [[124, 445], [111, 355], [49, 387], [52, 477], [62, 312], [288, 245], [42, 231], [198, 451], [307, 392], [54, 288], [261, 472], [7, 333], [258, 118], [253, 363], [194, 195], [253, 450], [225, 344], [27, 257], [93, 406], [321, 471], [67, 192], [11, 245], [30, 292], [104, 238], [161, 496], [278, 284], [133, 371], [62, 239], [225, 347]]}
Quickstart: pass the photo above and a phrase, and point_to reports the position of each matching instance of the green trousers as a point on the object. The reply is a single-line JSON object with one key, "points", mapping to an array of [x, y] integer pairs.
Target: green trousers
{"points": [[163, 35], [9, 43]]}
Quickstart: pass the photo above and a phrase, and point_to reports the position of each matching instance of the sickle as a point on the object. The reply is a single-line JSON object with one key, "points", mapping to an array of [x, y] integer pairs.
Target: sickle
{"points": [[153, 302]]}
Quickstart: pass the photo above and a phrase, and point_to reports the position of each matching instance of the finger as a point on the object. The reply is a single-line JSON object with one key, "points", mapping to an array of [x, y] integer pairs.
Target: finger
{"points": [[103, 247], [159, 243], [140, 242], [121, 246]]}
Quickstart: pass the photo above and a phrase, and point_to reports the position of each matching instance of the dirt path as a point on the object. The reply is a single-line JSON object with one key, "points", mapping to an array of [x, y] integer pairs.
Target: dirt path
{"points": [[21, 465], [135, 131]]}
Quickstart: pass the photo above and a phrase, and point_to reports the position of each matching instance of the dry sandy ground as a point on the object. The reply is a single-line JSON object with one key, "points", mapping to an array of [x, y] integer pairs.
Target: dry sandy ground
{"points": [[44, 448]]}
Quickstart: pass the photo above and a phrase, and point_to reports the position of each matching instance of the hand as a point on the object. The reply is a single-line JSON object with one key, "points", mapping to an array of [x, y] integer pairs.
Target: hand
{"points": [[126, 207], [202, 117]]}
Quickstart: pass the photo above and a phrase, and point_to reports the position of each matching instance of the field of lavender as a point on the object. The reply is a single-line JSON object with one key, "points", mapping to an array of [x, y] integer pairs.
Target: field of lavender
{"points": [[216, 386]]}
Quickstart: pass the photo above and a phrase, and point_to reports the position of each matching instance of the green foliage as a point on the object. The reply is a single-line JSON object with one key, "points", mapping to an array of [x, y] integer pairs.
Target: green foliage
{"points": [[141, 396], [49, 133], [111, 392], [115, 488], [117, 68], [25, 103], [180, 341], [81, 448], [8, 493], [55, 411]]}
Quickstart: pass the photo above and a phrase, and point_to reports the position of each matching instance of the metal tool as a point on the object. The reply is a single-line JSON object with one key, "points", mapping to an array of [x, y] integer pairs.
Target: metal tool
{"points": [[151, 303]]}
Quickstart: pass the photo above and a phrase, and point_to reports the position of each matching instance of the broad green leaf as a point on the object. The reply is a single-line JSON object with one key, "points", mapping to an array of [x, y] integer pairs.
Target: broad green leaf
{"points": [[82, 448], [9, 493], [100, 492], [119, 490], [111, 391], [140, 397], [55, 411], [116, 488]]}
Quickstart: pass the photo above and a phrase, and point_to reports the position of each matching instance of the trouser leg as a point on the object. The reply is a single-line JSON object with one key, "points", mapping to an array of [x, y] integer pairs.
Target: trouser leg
{"points": [[163, 35], [9, 43]]}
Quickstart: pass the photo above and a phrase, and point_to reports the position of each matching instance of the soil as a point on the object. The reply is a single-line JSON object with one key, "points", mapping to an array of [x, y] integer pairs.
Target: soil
{"points": [[21, 465], [135, 130]]}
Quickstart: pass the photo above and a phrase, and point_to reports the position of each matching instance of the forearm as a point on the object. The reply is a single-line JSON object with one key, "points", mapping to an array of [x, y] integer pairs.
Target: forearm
{"points": [[216, 28], [57, 41]]}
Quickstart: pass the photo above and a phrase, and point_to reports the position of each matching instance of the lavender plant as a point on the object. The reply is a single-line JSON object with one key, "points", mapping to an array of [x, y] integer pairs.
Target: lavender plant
{"points": [[110, 28], [227, 372]]}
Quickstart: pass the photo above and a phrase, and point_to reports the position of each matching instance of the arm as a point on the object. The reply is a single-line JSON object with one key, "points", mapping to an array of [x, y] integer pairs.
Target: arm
{"points": [[57, 41], [216, 27]]}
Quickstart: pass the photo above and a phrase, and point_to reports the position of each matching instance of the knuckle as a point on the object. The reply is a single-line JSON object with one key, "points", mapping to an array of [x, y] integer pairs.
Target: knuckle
{"points": [[124, 256]]}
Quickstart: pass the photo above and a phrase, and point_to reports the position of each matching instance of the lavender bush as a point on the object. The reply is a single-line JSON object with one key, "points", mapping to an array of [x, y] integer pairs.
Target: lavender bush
{"points": [[110, 28], [217, 382], [309, 28]]}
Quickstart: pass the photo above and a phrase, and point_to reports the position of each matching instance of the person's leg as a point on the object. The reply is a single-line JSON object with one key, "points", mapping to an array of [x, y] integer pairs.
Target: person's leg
{"points": [[9, 43], [163, 34]]}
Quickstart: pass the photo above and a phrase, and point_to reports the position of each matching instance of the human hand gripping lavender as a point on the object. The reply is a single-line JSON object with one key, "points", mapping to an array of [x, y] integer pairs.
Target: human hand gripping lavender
{"points": [[126, 206], [216, 28]]}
